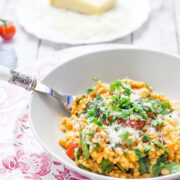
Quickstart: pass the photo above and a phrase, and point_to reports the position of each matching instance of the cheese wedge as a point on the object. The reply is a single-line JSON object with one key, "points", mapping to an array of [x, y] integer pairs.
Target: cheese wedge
{"points": [[85, 6]]}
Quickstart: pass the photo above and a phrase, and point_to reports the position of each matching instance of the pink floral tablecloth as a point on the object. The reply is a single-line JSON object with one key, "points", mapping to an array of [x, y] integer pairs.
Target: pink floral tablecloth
{"points": [[21, 155]]}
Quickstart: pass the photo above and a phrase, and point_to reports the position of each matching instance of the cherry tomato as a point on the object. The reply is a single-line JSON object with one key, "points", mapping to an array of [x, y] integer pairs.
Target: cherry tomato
{"points": [[1, 29], [136, 124], [7, 31], [70, 149]]}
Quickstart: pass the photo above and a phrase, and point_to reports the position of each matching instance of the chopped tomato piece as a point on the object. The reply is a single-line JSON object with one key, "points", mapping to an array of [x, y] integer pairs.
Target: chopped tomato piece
{"points": [[136, 124], [150, 114], [70, 149], [104, 122]]}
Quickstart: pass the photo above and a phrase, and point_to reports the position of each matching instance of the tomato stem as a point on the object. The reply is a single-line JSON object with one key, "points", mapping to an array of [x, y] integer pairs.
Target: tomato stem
{"points": [[5, 22]]}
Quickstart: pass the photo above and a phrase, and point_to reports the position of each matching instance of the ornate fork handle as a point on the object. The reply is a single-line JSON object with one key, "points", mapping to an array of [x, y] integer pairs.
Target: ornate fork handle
{"points": [[27, 82]]}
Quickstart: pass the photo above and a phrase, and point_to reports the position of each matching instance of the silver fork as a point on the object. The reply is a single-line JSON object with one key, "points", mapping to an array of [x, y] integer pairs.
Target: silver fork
{"points": [[31, 84]]}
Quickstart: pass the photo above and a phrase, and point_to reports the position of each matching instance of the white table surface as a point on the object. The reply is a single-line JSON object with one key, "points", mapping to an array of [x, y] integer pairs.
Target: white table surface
{"points": [[161, 32]]}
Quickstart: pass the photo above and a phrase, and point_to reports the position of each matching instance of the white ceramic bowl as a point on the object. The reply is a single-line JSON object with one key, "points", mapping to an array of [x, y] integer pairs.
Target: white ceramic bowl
{"points": [[161, 71]]}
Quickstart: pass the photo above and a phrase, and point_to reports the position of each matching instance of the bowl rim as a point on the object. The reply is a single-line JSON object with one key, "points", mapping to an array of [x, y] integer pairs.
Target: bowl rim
{"points": [[75, 167]]}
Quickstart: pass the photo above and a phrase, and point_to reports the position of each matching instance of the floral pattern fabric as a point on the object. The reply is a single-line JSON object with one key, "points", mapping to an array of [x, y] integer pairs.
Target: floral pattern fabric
{"points": [[21, 155]]}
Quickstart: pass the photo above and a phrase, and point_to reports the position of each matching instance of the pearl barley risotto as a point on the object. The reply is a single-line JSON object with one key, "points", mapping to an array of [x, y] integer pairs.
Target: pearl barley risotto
{"points": [[123, 130]]}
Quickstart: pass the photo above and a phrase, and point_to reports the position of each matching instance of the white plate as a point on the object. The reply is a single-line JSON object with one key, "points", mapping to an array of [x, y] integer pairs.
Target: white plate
{"points": [[61, 26], [159, 70]]}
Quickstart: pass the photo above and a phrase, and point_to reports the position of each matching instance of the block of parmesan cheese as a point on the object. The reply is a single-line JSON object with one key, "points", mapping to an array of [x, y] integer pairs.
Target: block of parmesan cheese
{"points": [[85, 6]]}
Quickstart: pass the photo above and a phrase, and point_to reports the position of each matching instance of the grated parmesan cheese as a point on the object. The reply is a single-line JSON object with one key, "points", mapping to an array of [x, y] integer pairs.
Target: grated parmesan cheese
{"points": [[115, 136]]}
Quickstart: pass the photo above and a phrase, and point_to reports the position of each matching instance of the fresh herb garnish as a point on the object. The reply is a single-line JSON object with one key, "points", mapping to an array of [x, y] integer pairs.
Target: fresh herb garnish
{"points": [[147, 148], [89, 90], [127, 89], [96, 121], [157, 123], [146, 138], [125, 107], [115, 85], [116, 129], [165, 108], [119, 102], [125, 136], [98, 97], [157, 107]]}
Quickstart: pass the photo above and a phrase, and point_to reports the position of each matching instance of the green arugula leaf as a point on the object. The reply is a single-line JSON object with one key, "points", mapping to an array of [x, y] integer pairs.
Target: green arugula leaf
{"points": [[83, 167], [147, 148], [120, 167], [85, 147], [138, 153], [161, 146], [172, 167], [106, 166], [77, 153], [156, 169], [144, 165]]}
